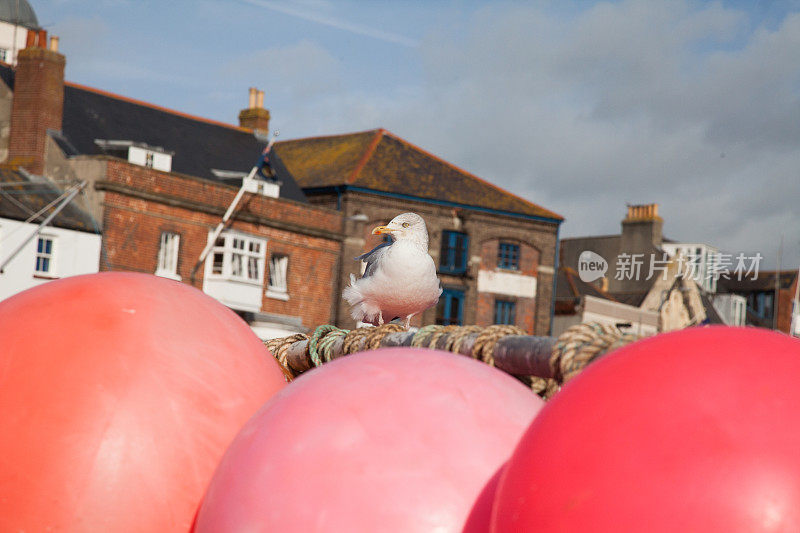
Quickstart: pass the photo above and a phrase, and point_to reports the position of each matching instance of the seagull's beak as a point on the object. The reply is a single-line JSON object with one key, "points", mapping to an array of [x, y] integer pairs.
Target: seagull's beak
{"points": [[382, 229]]}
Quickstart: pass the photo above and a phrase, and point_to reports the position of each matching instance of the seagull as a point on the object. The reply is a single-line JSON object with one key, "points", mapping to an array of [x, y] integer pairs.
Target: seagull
{"points": [[400, 278]]}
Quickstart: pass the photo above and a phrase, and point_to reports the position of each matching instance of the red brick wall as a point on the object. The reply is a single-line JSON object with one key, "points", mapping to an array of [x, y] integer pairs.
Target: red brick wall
{"points": [[539, 239], [785, 303], [525, 312], [38, 105], [132, 230]]}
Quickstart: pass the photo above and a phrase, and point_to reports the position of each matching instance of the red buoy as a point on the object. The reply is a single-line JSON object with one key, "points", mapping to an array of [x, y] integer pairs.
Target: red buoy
{"points": [[398, 439], [697, 430], [119, 393]]}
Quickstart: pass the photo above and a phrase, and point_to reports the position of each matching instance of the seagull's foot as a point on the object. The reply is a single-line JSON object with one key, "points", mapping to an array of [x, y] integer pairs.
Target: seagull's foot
{"points": [[380, 319], [407, 322]]}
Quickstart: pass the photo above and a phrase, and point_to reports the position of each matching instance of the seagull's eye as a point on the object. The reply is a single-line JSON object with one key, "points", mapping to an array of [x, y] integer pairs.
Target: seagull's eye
{"points": [[406, 224]]}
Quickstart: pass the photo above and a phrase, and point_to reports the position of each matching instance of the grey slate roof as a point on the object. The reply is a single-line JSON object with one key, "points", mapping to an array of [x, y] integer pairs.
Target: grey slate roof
{"points": [[21, 195], [199, 144], [18, 12]]}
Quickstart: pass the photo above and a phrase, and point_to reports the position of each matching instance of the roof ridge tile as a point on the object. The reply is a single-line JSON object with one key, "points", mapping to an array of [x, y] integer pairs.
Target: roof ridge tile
{"points": [[157, 107], [368, 153], [470, 174]]}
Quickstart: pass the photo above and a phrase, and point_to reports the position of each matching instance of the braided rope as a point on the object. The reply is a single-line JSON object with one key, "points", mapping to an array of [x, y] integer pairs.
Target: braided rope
{"points": [[354, 340], [374, 337], [575, 348], [442, 331], [487, 339], [460, 335], [418, 341], [581, 344], [318, 334], [279, 349], [327, 343]]}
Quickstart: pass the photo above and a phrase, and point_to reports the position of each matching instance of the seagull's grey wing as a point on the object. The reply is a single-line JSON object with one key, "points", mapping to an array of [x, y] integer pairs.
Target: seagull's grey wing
{"points": [[372, 258]]}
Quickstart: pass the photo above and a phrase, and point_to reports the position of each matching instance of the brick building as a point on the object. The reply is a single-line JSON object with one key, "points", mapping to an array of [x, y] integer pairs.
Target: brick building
{"points": [[640, 273], [495, 251], [160, 183], [771, 298]]}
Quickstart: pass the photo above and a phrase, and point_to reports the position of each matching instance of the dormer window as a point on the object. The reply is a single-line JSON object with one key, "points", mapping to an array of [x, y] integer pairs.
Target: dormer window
{"points": [[138, 153]]}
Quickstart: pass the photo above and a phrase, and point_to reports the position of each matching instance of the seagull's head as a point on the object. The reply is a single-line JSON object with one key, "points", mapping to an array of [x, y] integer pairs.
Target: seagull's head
{"points": [[408, 226]]}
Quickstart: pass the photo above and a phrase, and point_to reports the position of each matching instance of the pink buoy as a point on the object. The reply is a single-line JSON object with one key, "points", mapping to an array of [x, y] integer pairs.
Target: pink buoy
{"points": [[398, 439], [119, 393], [695, 430]]}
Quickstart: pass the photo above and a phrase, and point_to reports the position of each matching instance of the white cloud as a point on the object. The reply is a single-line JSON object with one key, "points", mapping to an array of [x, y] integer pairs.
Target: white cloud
{"points": [[633, 101]]}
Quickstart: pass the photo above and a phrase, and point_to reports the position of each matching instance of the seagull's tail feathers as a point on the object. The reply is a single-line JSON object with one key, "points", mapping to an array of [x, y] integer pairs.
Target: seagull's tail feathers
{"points": [[360, 309]]}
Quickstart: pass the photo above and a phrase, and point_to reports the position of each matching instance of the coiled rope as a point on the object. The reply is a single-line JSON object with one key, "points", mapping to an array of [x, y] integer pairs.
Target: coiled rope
{"points": [[566, 356]]}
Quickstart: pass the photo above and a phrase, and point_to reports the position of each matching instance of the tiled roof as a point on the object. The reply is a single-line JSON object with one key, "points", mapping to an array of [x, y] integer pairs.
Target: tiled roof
{"points": [[569, 285], [380, 161], [199, 144], [23, 195]]}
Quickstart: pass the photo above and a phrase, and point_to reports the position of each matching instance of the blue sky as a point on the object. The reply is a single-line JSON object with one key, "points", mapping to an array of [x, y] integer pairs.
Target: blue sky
{"points": [[578, 106]]}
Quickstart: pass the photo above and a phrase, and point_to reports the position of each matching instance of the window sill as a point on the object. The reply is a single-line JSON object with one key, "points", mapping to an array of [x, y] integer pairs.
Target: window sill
{"points": [[277, 295], [45, 276], [168, 275], [232, 279]]}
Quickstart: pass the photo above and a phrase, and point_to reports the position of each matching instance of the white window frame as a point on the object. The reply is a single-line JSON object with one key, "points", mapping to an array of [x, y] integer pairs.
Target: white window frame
{"points": [[277, 285], [168, 251], [239, 253], [51, 257]]}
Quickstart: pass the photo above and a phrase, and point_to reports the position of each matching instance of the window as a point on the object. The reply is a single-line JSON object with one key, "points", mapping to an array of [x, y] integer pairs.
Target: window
{"points": [[450, 310], [277, 287], [508, 257], [168, 256], [505, 312], [4, 55], [148, 159], [44, 256], [760, 304], [454, 252], [238, 257]]}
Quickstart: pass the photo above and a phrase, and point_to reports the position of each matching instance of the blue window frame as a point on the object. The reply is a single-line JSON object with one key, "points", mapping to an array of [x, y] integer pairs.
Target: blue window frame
{"points": [[44, 255], [508, 256], [454, 252], [450, 310], [505, 312]]}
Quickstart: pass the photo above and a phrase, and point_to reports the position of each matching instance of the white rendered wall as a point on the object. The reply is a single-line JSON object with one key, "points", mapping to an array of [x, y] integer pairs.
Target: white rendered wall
{"points": [[706, 261], [74, 252], [7, 40], [732, 308], [138, 156], [507, 283]]}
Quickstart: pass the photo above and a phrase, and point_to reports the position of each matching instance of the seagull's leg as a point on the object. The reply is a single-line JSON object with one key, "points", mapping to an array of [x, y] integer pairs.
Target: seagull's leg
{"points": [[380, 318], [407, 322]]}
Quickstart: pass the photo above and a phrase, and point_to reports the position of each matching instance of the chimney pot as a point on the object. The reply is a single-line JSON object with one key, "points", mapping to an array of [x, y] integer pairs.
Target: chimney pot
{"points": [[260, 99], [252, 98], [54, 43]]}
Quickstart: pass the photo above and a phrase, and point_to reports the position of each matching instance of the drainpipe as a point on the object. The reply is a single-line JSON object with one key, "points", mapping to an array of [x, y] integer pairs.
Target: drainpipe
{"points": [[228, 214], [555, 281]]}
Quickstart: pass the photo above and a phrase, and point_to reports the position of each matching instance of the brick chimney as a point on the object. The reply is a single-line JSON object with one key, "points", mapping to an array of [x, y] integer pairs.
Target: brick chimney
{"points": [[38, 104], [255, 117], [641, 229]]}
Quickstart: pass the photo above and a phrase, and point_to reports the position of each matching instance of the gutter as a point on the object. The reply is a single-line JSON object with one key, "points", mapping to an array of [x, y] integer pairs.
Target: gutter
{"points": [[339, 189]]}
